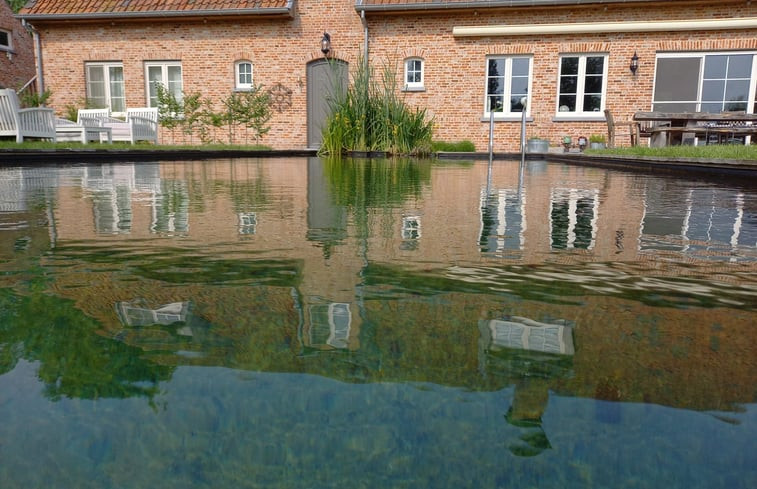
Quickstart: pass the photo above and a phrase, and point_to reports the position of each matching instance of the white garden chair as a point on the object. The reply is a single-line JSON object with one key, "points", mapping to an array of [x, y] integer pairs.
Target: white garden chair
{"points": [[141, 124], [35, 122]]}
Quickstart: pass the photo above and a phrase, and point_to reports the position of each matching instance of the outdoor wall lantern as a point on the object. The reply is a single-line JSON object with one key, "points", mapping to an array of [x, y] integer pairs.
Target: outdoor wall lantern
{"points": [[634, 63], [326, 44]]}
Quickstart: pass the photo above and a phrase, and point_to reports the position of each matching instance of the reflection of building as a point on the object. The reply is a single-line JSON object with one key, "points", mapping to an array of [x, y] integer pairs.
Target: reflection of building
{"points": [[283, 292]]}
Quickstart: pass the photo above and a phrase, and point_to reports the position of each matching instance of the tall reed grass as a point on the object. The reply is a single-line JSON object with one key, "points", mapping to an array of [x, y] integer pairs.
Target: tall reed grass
{"points": [[371, 116]]}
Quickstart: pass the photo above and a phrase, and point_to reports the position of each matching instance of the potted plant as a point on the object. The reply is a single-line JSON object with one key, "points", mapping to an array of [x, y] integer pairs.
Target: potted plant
{"points": [[597, 141], [538, 145]]}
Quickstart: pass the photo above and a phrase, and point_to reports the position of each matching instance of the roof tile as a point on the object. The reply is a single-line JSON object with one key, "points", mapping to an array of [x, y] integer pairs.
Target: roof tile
{"points": [[76, 7]]}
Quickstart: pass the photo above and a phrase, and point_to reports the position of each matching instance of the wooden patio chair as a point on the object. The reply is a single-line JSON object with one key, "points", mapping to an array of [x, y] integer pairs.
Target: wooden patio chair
{"points": [[612, 130], [35, 122]]}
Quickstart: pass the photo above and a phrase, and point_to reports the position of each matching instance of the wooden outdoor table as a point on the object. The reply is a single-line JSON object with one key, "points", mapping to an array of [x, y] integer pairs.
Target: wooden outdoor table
{"points": [[666, 128]]}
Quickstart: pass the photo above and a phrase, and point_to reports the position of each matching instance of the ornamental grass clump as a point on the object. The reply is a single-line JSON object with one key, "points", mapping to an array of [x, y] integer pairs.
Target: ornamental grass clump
{"points": [[370, 116]]}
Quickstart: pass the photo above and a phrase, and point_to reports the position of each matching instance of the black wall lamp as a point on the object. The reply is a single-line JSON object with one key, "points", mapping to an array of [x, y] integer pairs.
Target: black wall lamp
{"points": [[326, 44], [634, 63]]}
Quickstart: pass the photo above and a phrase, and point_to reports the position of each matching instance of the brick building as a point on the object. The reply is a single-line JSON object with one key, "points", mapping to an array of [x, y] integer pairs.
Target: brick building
{"points": [[16, 51], [570, 59]]}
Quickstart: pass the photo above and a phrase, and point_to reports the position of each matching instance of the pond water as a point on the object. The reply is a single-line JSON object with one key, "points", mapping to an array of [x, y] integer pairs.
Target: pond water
{"points": [[308, 323]]}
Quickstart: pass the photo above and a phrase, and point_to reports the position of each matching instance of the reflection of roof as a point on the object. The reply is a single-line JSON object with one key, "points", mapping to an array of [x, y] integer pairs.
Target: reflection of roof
{"points": [[135, 314], [527, 334]]}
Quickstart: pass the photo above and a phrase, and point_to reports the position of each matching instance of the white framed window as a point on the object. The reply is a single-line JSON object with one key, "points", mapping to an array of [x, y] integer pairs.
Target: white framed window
{"points": [[582, 85], [6, 40], [243, 75], [413, 74], [508, 82], [167, 73], [705, 82], [105, 86]]}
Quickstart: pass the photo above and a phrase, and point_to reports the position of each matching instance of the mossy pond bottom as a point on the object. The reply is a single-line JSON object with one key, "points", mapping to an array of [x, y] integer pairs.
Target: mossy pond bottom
{"points": [[308, 323]]}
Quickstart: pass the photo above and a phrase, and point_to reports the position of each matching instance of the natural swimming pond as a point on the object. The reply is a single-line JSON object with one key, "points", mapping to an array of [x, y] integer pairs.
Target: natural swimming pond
{"points": [[375, 324]]}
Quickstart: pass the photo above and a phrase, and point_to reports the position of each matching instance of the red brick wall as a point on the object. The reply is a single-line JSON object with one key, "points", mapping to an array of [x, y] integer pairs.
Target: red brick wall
{"points": [[16, 67], [454, 67]]}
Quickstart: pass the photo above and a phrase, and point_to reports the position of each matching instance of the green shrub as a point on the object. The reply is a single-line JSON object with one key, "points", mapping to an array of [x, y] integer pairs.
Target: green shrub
{"points": [[370, 116], [455, 147]]}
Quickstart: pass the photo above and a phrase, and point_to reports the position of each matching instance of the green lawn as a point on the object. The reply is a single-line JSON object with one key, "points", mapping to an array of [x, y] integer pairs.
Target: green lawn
{"points": [[714, 151]]}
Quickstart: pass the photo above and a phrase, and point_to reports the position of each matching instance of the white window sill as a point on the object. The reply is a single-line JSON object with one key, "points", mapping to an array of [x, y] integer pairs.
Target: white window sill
{"points": [[573, 117], [419, 88], [507, 118]]}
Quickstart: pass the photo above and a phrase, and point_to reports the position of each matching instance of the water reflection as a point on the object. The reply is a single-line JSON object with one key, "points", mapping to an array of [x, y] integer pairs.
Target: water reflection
{"points": [[526, 286]]}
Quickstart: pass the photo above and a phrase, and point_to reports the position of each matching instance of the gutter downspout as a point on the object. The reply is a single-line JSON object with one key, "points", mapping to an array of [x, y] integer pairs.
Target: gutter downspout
{"points": [[38, 55]]}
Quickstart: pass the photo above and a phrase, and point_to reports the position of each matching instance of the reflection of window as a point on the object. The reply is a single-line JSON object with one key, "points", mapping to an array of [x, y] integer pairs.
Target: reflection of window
{"points": [[508, 80], [698, 82], [573, 219], [167, 73], [526, 334], [502, 221], [171, 208], [105, 86], [112, 210], [139, 314], [414, 74], [330, 324], [248, 221], [243, 71], [411, 227], [582, 84]]}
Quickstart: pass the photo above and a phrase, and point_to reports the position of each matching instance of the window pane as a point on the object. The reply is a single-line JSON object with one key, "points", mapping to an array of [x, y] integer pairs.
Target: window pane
{"points": [[117, 96], [737, 90], [677, 79], [495, 104], [676, 107], [568, 101], [154, 73], [174, 81], [712, 107], [496, 67], [593, 84], [515, 104], [715, 66], [520, 66], [569, 66], [568, 84], [96, 86], [496, 86], [174, 74], [4, 39], [154, 76], [735, 107], [519, 86], [592, 103], [740, 66], [95, 74], [713, 90], [595, 65]]}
